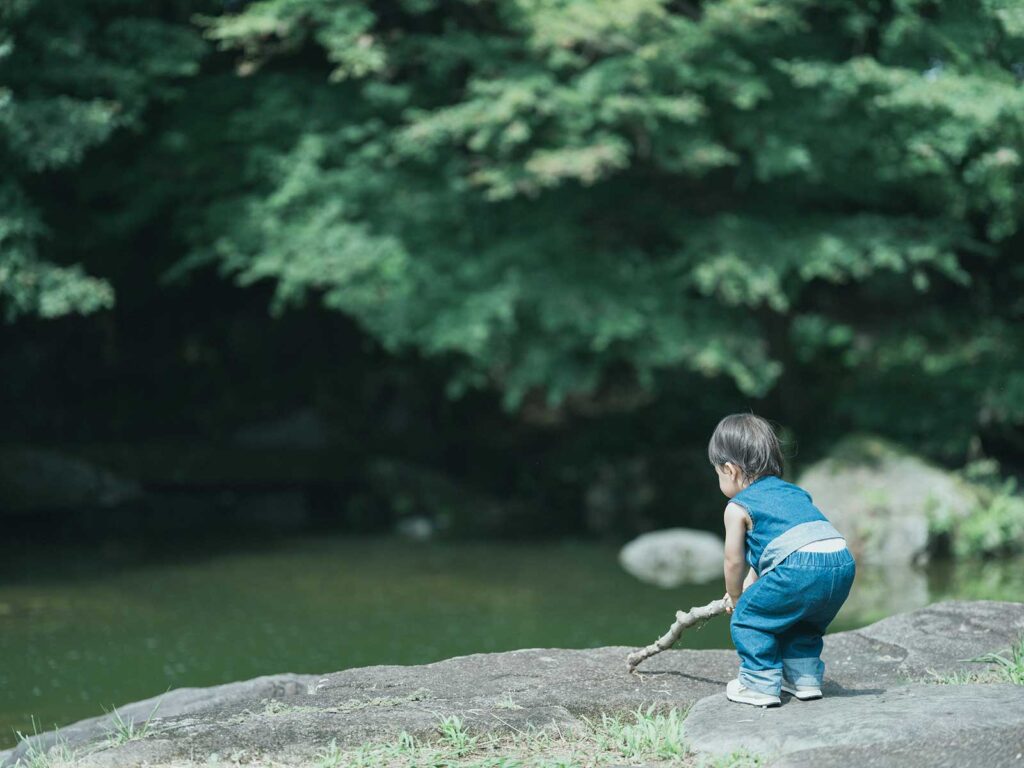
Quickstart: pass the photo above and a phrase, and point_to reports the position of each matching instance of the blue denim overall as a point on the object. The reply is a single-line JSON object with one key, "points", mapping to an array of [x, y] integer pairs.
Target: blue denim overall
{"points": [[779, 620]]}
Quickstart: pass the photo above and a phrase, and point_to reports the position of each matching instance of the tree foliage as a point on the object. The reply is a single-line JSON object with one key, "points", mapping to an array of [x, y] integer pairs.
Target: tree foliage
{"points": [[813, 202], [72, 75]]}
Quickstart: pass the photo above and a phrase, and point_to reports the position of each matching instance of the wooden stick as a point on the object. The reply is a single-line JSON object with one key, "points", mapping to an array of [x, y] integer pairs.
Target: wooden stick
{"points": [[683, 621]]}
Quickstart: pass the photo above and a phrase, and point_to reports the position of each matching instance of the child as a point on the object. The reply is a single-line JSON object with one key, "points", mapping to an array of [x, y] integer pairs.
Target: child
{"points": [[801, 570]]}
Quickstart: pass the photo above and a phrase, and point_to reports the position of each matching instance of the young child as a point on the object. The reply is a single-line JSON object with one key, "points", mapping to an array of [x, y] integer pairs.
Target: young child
{"points": [[800, 569]]}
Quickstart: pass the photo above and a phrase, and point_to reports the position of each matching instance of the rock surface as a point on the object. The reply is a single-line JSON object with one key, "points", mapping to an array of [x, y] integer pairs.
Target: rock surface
{"points": [[673, 556], [981, 748], [881, 498], [872, 680], [179, 702], [909, 713]]}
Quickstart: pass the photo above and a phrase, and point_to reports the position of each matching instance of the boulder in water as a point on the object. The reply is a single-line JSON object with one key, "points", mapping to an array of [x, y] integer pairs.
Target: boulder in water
{"points": [[674, 556], [33, 479]]}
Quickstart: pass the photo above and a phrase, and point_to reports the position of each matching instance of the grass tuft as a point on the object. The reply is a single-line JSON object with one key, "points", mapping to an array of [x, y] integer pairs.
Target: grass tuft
{"points": [[646, 735], [121, 731], [650, 734], [1005, 667], [959, 677], [330, 756], [507, 703], [58, 754], [739, 759], [1009, 669], [455, 736]]}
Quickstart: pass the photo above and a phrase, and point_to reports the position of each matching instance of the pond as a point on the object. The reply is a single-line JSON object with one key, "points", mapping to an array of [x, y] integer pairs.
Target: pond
{"points": [[89, 628]]}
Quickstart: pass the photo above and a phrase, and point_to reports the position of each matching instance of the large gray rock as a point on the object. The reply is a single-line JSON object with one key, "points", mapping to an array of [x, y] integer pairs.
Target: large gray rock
{"points": [[289, 718], [881, 498], [673, 556], [981, 747], [938, 638], [495, 692], [416, 528], [34, 479], [179, 702], [304, 428], [914, 713]]}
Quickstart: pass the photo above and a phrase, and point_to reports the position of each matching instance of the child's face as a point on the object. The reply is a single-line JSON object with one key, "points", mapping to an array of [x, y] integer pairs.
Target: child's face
{"points": [[730, 479]]}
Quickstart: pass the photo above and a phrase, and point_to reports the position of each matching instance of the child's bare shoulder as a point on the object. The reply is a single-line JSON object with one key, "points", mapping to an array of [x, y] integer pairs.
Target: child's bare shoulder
{"points": [[734, 513]]}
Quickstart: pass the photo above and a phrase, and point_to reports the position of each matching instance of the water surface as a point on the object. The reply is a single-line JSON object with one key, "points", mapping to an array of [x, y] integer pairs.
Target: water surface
{"points": [[90, 628]]}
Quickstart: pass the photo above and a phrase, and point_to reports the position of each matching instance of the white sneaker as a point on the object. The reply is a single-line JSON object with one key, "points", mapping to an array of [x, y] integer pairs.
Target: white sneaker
{"points": [[802, 692], [736, 691]]}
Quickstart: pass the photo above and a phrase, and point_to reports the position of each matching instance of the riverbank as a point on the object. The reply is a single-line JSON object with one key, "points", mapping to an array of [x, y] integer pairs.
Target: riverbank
{"points": [[93, 627], [881, 694]]}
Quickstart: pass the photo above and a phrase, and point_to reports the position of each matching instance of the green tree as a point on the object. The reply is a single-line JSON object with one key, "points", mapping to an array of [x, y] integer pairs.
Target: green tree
{"points": [[72, 76], [571, 202], [817, 201]]}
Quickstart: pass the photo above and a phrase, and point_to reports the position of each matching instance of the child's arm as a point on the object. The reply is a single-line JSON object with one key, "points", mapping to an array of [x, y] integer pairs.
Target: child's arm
{"points": [[735, 550]]}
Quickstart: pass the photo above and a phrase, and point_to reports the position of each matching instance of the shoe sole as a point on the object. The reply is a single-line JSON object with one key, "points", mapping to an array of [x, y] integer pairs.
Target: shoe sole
{"points": [[802, 695], [740, 700]]}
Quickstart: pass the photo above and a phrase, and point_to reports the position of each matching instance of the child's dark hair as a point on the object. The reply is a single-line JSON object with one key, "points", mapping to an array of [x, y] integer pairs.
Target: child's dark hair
{"points": [[749, 442]]}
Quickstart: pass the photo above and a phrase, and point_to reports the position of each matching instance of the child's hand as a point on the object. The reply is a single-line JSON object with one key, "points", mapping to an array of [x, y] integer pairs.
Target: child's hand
{"points": [[729, 605]]}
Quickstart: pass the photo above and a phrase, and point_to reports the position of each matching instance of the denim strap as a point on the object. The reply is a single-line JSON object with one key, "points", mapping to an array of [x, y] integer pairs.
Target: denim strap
{"points": [[782, 546]]}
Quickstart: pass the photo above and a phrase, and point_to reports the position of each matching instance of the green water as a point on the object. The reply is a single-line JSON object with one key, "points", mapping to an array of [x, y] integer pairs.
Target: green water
{"points": [[83, 631]]}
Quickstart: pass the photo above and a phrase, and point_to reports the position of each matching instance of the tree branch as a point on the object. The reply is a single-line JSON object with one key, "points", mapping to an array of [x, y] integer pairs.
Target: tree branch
{"points": [[683, 621]]}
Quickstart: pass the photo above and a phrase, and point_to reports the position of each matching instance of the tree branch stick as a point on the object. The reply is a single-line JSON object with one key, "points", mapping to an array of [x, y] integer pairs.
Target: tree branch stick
{"points": [[684, 620]]}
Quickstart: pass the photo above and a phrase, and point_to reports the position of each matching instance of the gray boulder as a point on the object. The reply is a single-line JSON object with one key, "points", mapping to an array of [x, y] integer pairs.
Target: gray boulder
{"points": [[176, 703], [874, 721], [674, 556], [878, 668], [35, 479], [304, 428], [882, 498], [416, 528]]}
